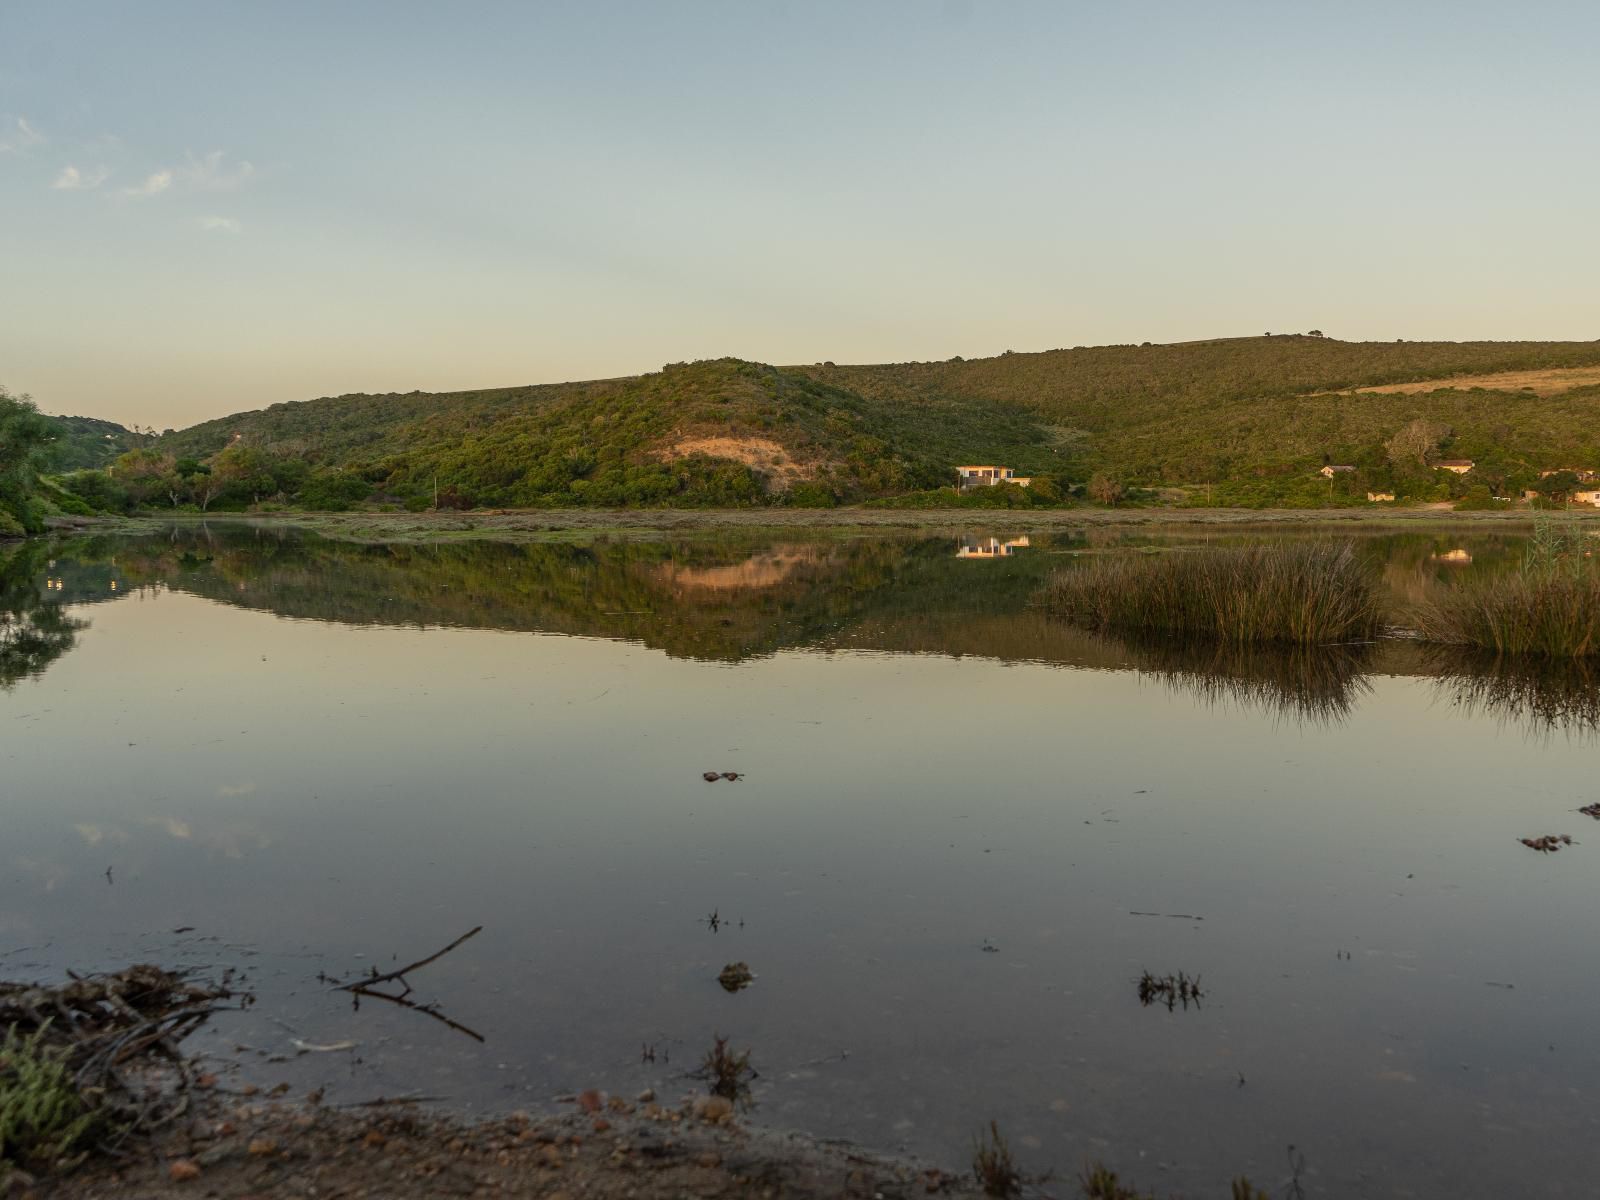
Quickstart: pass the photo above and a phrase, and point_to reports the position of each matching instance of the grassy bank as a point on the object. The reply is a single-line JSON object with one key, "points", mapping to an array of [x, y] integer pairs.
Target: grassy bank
{"points": [[1303, 594]]}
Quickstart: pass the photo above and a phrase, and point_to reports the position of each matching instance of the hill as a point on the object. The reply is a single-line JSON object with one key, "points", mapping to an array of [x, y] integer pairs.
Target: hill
{"points": [[1252, 419], [714, 432], [1254, 408], [77, 443]]}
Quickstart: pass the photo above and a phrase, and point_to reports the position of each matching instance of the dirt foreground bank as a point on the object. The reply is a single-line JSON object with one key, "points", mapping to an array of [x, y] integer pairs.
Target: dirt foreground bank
{"points": [[236, 1148]]}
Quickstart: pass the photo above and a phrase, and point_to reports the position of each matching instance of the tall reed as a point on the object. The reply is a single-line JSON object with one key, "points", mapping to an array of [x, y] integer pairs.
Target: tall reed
{"points": [[1551, 613], [1297, 592]]}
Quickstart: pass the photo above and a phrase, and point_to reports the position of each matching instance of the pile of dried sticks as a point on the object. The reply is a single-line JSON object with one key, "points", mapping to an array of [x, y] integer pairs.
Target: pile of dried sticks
{"points": [[119, 1033]]}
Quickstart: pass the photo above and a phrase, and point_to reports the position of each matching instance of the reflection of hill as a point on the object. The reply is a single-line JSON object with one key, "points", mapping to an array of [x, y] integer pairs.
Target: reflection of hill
{"points": [[34, 632], [728, 600], [692, 598]]}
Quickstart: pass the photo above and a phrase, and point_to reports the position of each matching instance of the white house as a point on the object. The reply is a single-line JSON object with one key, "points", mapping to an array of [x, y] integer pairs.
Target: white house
{"points": [[1459, 466], [1330, 471], [988, 476]]}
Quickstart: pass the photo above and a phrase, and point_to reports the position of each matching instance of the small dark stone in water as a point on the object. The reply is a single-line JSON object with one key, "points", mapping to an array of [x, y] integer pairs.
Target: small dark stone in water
{"points": [[710, 776], [1591, 810], [732, 775], [736, 977]]}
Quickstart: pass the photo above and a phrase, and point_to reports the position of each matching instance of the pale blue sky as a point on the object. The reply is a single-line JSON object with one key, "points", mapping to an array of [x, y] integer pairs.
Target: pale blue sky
{"points": [[213, 206]]}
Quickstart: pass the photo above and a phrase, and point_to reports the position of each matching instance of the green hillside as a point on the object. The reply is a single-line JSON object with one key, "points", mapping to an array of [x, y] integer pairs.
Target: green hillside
{"points": [[1236, 421], [715, 432], [76, 443]]}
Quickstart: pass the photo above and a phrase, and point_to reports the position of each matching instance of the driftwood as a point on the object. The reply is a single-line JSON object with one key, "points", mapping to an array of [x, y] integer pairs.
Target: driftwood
{"points": [[367, 985], [399, 976]]}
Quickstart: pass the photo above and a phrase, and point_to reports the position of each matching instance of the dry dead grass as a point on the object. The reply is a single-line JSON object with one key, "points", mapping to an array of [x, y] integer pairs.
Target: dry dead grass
{"points": [[1549, 382]]}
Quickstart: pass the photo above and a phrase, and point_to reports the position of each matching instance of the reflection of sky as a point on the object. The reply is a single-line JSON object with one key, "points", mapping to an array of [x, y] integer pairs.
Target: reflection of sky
{"points": [[332, 791]]}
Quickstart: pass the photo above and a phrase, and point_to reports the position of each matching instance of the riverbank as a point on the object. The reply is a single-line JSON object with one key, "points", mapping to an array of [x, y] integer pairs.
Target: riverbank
{"points": [[235, 1148], [644, 524]]}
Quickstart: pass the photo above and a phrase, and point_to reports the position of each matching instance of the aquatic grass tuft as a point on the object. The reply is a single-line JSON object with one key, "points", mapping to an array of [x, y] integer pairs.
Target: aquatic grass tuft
{"points": [[993, 1165], [45, 1123], [1100, 1183], [727, 1073], [1302, 593], [1549, 609]]}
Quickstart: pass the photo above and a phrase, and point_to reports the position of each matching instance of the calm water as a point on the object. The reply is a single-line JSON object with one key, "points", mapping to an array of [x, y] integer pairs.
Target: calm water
{"points": [[325, 757]]}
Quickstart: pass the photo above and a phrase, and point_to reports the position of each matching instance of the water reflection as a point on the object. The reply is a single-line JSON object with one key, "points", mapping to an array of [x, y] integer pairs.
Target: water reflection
{"points": [[1540, 697], [991, 547], [1306, 683], [736, 598], [34, 631]]}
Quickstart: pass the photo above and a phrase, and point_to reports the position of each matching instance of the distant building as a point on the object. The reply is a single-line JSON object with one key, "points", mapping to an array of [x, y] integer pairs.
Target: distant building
{"points": [[1459, 465], [1380, 497], [990, 547], [1330, 472], [1590, 497], [988, 476], [1583, 474]]}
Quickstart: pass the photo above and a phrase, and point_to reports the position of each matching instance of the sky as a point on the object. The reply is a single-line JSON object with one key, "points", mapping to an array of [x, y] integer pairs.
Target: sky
{"points": [[210, 207]]}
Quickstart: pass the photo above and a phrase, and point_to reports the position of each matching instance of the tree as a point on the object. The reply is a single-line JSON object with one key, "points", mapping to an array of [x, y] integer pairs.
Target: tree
{"points": [[1104, 490], [1558, 486], [23, 437], [1416, 442]]}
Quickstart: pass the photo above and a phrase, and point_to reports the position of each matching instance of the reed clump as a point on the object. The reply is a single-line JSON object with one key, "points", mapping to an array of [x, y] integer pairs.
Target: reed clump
{"points": [[1550, 608], [1302, 593], [993, 1165]]}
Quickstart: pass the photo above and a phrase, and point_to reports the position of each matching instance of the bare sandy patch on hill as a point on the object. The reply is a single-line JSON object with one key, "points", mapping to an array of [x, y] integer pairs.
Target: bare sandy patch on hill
{"points": [[767, 458], [1549, 382]]}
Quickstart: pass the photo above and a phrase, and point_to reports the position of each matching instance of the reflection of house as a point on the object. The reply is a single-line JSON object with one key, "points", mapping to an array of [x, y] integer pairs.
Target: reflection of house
{"points": [[1330, 471], [1459, 466], [988, 476], [990, 547], [1375, 497], [1458, 555]]}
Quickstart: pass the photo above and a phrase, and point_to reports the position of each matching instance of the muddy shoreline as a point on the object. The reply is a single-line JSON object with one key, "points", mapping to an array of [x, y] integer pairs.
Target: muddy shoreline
{"points": [[646, 524], [235, 1147]]}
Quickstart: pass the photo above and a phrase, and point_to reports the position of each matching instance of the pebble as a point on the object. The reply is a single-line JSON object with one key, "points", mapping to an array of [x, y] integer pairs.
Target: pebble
{"points": [[183, 1170]]}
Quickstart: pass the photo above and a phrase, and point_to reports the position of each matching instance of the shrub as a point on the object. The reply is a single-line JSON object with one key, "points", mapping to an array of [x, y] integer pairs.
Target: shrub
{"points": [[44, 1122], [1305, 593]]}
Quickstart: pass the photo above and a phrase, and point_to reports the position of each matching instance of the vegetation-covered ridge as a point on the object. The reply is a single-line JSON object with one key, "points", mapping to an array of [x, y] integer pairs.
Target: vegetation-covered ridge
{"points": [[1244, 422]]}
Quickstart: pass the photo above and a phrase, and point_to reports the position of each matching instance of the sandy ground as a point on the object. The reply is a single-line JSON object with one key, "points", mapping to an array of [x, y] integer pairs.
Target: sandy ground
{"points": [[578, 524], [1549, 382], [607, 1149]]}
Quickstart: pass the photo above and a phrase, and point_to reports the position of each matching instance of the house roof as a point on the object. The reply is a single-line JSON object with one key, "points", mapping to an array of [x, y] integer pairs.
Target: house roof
{"points": [[1454, 462]]}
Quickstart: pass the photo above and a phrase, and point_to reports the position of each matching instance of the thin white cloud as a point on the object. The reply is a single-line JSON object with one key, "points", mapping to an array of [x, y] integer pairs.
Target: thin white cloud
{"points": [[154, 184], [210, 175], [220, 225], [16, 135], [73, 180]]}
